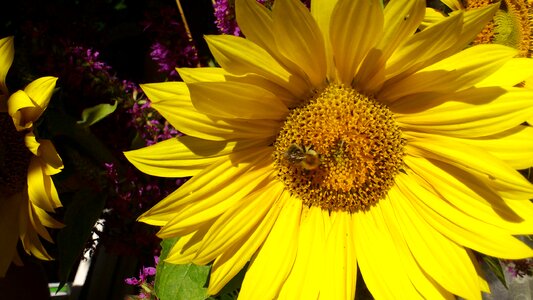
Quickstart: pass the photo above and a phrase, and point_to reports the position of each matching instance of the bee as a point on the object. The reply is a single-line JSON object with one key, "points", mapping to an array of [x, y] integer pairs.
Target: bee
{"points": [[304, 157]]}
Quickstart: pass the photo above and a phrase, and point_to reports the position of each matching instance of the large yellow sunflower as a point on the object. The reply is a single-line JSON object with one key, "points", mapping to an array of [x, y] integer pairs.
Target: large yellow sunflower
{"points": [[26, 164], [343, 139]]}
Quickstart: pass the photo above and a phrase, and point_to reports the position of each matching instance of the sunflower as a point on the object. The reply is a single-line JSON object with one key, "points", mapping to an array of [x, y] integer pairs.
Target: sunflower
{"points": [[510, 26], [27, 162], [342, 140]]}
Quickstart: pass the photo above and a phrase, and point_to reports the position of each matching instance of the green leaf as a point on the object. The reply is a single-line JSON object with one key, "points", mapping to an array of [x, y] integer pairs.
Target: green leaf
{"points": [[91, 115], [494, 265], [82, 212], [176, 282]]}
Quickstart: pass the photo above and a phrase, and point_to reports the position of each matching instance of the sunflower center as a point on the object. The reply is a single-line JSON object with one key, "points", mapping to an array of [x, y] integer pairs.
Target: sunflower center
{"points": [[511, 26], [14, 158], [339, 151]]}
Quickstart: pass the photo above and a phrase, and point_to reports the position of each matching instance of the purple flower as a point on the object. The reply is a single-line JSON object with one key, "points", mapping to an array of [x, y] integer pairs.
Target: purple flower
{"points": [[131, 281]]}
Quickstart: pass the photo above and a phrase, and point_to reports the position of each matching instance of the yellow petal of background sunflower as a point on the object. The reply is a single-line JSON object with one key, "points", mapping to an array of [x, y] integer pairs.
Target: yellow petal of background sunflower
{"points": [[240, 56], [184, 156], [503, 179], [51, 162], [273, 262], [172, 100], [299, 39], [37, 226], [211, 185], [356, 27], [18, 105], [236, 100], [40, 91], [41, 189]]}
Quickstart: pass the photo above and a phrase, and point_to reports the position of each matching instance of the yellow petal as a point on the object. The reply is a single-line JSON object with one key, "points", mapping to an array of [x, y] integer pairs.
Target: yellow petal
{"points": [[183, 156], [185, 248], [428, 246], [454, 73], [233, 260], [376, 252], [192, 75], [432, 16], [424, 48], [37, 225], [306, 275], [236, 100], [32, 245], [513, 146], [461, 229], [401, 20], [41, 188], [40, 91], [321, 11], [212, 184], [46, 219], [453, 4], [19, 106], [475, 112], [472, 198], [172, 100], [510, 74], [280, 92], [189, 217], [50, 160], [273, 262], [423, 283], [506, 181], [474, 21], [238, 221], [299, 39], [240, 56], [356, 27], [255, 21], [340, 269]]}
